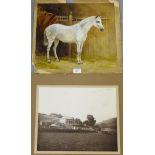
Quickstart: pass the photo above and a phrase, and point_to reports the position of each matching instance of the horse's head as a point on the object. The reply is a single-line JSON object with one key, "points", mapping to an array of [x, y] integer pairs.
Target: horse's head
{"points": [[98, 23]]}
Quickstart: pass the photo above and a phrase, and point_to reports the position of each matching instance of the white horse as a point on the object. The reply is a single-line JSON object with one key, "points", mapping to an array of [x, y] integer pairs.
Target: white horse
{"points": [[76, 33]]}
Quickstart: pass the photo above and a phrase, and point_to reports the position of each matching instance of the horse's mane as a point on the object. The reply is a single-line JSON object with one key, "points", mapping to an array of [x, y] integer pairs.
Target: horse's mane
{"points": [[86, 20]]}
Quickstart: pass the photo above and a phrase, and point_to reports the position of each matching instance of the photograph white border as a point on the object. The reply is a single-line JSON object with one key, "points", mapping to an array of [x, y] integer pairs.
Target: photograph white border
{"points": [[77, 152]]}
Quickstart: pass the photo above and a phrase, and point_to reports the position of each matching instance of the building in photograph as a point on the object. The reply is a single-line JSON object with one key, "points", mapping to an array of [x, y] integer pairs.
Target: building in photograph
{"points": [[45, 123]]}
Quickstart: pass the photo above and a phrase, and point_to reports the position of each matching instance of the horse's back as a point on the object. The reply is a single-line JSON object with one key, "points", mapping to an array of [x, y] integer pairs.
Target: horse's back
{"points": [[57, 27]]}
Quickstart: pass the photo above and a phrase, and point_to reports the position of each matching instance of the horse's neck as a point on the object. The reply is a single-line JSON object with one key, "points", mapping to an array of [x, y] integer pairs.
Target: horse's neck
{"points": [[86, 26]]}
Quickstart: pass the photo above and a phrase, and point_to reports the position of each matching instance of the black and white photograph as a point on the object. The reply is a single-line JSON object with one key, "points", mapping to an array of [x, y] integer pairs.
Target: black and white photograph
{"points": [[77, 118]]}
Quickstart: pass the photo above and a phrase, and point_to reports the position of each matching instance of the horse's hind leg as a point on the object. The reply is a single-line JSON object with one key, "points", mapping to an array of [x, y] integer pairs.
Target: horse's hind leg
{"points": [[48, 51], [56, 42]]}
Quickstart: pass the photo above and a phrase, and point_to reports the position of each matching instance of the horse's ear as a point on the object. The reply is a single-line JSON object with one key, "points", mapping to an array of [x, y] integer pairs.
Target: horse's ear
{"points": [[96, 16]]}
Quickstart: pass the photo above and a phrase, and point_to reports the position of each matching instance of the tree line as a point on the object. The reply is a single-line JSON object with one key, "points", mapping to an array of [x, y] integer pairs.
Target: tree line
{"points": [[89, 122]]}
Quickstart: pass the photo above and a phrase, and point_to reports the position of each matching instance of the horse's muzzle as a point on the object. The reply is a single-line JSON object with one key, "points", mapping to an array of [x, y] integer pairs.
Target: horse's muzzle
{"points": [[102, 30]]}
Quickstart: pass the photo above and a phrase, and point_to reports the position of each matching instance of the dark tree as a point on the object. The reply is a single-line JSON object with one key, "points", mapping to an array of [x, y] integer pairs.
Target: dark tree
{"points": [[78, 121], [90, 121], [86, 123]]}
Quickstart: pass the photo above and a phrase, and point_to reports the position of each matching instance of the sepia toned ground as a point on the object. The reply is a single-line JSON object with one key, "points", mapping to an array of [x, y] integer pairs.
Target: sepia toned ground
{"points": [[66, 65], [48, 141]]}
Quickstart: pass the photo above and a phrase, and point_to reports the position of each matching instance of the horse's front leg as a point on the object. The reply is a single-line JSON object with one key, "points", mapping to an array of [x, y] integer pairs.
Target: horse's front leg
{"points": [[79, 50], [81, 46]]}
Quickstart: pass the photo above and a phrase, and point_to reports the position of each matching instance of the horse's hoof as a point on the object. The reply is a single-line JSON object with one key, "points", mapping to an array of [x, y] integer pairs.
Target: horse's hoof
{"points": [[57, 60], [79, 63], [49, 61]]}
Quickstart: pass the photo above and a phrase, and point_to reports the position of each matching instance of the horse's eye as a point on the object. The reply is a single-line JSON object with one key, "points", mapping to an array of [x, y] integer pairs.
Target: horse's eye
{"points": [[98, 21]]}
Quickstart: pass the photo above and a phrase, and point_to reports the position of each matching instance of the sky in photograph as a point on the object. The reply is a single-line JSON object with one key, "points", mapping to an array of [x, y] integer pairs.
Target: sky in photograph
{"points": [[78, 102]]}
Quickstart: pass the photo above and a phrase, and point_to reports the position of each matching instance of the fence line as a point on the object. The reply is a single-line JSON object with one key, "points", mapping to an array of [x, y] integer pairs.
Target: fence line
{"points": [[74, 19]]}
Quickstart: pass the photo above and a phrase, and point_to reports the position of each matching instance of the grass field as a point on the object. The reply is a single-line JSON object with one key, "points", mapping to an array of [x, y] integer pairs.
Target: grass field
{"points": [[48, 141], [66, 65]]}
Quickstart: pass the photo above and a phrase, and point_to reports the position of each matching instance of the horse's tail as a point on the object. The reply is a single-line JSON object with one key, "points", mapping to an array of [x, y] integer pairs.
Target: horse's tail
{"points": [[45, 39]]}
